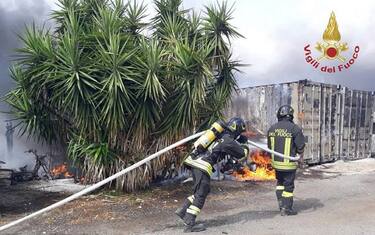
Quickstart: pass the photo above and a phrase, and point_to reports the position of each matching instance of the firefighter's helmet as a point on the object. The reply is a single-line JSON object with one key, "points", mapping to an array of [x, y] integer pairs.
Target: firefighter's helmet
{"points": [[236, 126], [285, 111]]}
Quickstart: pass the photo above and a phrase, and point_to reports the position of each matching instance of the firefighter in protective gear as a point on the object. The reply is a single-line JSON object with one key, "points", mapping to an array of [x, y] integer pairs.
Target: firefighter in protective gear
{"points": [[201, 167], [287, 138]]}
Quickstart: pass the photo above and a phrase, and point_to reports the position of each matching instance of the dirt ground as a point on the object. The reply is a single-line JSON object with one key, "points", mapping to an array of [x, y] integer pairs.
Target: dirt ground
{"points": [[333, 198]]}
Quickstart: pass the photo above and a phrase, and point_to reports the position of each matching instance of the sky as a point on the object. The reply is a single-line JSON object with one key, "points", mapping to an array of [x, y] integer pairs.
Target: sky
{"points": [[275, 34]]}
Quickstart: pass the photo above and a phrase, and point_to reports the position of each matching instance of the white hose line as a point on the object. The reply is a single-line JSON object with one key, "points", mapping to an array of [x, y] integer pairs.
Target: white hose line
{"points": [[271, 151], [101, 183]]}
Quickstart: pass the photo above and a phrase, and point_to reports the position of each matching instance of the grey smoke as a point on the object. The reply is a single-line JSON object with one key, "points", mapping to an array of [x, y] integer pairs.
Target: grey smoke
{"points": [[12, 23]]}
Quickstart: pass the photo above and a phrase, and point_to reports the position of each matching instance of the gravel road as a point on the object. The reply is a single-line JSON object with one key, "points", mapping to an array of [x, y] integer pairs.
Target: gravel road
{"points": [[336, 198]]}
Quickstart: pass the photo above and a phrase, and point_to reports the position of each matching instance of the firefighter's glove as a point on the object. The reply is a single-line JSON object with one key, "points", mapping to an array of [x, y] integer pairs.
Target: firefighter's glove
{"points": [[237, 165], [246, 150], [230, 166], [301, 164], [244, 159]]}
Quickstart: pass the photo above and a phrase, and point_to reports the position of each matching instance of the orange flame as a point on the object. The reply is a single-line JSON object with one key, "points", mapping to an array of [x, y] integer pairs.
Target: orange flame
{"points": [[61, 170], [263, 170]]}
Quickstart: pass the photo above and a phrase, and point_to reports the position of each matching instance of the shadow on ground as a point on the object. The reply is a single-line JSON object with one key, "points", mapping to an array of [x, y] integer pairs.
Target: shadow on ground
{"points": [[322, 173], [229, 219], [301, 205], [308, 204]]}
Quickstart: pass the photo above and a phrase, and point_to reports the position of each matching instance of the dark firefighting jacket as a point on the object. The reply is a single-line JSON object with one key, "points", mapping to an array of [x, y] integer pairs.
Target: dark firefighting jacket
{"points": [[222, 147], [287, 138]]}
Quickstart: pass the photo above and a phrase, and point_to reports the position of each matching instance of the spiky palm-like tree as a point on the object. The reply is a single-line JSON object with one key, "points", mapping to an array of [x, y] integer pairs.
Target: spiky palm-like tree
{"points": [[115, 88]]}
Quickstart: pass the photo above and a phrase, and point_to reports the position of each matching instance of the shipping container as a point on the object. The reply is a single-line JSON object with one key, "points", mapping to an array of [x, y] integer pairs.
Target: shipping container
{"points": [[338, 122]]}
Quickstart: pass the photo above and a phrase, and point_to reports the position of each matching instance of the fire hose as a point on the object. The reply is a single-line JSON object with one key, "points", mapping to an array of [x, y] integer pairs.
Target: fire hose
{"points": [[120, 173], [272, 152]]}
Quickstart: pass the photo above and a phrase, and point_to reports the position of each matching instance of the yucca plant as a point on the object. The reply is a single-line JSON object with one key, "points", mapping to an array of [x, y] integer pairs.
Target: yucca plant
{"points": [[113, 88]]}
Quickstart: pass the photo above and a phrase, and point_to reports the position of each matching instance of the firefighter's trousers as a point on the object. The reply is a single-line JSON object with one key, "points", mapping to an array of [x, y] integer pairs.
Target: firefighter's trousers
{"points": [[201, 189], [285, 188]]}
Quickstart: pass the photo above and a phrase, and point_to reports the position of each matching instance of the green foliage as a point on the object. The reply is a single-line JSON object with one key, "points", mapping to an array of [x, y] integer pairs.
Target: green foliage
{"points": [[116, 88]]}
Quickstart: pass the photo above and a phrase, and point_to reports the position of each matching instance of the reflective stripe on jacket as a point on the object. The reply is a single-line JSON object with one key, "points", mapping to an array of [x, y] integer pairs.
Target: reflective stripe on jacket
{"points": [[199, 163], [285, 137]]}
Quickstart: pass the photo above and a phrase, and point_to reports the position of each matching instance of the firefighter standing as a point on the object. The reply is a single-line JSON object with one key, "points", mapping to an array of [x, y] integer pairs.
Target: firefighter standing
{"points": [[287, 138], [201, 164]]}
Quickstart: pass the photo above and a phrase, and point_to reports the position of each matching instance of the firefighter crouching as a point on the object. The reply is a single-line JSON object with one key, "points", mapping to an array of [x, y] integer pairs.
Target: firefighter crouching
{"points": [[285, 137], [211, 148]]}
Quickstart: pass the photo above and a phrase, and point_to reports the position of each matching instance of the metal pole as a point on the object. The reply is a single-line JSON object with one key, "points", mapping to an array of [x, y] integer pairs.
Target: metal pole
{"points": [[101, 183]]}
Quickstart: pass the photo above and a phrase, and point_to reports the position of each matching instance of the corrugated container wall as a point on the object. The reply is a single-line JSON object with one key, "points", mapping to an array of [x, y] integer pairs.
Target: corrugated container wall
{"points": [[337, 122]]}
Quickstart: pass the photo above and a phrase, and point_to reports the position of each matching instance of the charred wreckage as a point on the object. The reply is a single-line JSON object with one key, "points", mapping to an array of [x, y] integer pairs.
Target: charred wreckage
{"points": [[41, 170]]}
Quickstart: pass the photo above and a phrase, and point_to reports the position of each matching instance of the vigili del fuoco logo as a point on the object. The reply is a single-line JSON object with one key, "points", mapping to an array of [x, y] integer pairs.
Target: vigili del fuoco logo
{"points": [[332, 49]]}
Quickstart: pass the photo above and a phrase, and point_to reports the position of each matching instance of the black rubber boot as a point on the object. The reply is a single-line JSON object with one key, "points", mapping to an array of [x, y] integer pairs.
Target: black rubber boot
{"points": [[287, 212], [191, 226], [180, 212], [279, 198], [280, 204], [287, 208]]}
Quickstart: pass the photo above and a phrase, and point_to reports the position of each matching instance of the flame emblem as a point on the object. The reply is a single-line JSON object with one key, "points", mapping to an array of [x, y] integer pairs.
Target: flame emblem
{"points": [[332, 47]]}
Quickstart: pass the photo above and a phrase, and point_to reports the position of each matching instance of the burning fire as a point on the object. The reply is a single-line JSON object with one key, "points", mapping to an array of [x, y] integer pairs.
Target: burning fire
{"points": [[263, 170], [61, 170]]}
